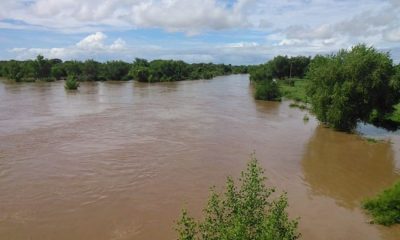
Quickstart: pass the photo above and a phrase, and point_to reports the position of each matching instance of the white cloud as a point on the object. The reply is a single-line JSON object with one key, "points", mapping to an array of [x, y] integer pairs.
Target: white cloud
{"points": [[172, 15], [88, 47], [393, 35], [118, 44], [92, 42], [242, 29], [242, 45]]}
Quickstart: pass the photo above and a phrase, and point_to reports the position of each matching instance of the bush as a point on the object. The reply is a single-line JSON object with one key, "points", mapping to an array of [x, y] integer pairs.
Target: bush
{"points": [[71, 83], [347, 87], [244, 213], [267, 90], [385, 208]]}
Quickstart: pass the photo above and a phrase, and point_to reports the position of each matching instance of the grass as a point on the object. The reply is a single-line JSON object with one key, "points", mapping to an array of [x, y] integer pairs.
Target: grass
{"points": [[385, 208], [295, 91]]}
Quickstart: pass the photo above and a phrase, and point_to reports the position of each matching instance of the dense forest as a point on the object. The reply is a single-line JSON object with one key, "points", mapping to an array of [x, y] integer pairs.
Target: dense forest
{"points": [[91, 70]]}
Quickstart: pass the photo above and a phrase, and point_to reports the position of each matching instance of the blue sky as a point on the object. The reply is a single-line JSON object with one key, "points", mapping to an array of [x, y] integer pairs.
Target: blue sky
{"points": [[220, 31]]}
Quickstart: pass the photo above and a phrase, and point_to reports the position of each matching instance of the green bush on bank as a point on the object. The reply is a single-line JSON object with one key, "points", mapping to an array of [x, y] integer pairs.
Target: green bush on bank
{"points": [[349, 86], [265, 87], [267, 90], [244, 212], [385, 208]]}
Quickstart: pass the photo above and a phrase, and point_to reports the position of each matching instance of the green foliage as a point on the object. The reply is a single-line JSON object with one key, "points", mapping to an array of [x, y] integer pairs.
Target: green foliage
{"points": [[42, 67], [282, 67], [58, 71], [90, 70], [267, 90], [71, 83], [247, 212], [294, 89], [171, 70], [347, 87], [116, 70], [385, 208], [186, 227]]}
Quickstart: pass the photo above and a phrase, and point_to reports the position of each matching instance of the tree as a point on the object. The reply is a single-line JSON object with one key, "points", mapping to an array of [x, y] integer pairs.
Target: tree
{"points": [[73, 68], [91, 70], [116, 70], [349, 86], [266, 88], [58, 71], [246, 212], [42, 67], [280, 67]]}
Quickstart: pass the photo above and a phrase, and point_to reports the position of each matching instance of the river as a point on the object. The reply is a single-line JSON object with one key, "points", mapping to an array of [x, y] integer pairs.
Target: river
{"points": [[118, 160]]}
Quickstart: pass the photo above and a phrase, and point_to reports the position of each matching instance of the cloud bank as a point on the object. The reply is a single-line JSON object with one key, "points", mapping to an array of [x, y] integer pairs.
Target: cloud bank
{"points": [[241, 31]]}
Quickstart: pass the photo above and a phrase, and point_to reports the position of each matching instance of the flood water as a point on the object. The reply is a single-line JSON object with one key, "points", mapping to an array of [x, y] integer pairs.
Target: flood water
{"points": [[118, 160]]}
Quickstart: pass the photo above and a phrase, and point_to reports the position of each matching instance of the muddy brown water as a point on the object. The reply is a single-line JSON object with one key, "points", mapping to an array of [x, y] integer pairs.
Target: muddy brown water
{"points": [[118, 160]]}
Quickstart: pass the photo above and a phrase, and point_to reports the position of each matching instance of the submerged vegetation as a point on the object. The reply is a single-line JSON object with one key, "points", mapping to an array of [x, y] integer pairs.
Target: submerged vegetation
{"points": [[243, 212], [90, 70], [385, 208], [71, 83]]}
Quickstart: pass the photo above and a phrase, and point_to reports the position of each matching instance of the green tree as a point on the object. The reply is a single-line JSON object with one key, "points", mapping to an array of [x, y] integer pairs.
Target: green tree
{"points": [[58, 71], [349, 86], [91, 70], [266, 88], [73, 68], [42, 67], [116, 70], [246, 212], [13, 70]]}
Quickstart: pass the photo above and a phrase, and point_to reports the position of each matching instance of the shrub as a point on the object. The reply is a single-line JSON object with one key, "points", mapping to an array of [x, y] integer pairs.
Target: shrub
{"points": [[246, 212], [267, 90], [385, 208], [71, 83], [345, 88]]}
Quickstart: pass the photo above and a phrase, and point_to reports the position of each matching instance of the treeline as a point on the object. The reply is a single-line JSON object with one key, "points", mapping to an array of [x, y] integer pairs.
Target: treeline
{"points": [[91, 70], [357, 85], [170, 70]]}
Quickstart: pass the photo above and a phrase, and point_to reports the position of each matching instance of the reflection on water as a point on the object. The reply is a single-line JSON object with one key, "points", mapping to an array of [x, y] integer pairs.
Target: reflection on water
{"points": [[347, 167]]}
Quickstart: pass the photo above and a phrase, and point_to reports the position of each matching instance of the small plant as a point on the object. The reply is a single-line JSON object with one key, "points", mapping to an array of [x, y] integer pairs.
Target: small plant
{"points": [[385, 208], [71, 83], [306, 118], [244, 212]]}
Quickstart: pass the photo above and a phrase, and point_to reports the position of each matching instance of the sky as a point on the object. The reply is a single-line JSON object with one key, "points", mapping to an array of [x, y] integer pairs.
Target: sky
{"points": [[219, 31]]}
